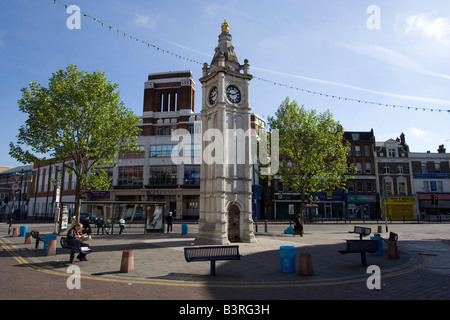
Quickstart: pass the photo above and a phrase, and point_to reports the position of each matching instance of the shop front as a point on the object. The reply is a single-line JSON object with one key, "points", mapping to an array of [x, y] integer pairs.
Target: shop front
{"points": [[363, 206], [427, 205], [331, 205], [398, 208]]}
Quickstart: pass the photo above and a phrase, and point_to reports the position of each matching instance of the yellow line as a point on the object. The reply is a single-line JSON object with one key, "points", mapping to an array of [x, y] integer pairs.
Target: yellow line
{"points": [[22, 261]]}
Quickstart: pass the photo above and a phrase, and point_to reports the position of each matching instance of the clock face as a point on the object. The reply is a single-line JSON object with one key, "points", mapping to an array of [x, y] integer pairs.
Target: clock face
{"points": [[233, 94], [213, 96]]}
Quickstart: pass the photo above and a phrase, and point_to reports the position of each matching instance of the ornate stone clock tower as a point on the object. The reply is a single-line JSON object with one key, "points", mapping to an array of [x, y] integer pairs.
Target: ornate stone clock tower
{"points": [[226, 170]]}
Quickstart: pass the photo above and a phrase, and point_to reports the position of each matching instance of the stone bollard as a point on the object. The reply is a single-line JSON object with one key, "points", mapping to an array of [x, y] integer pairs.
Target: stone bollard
{"points": [[393, 250], [15, 232], [127, 263], [306, 268], [28, 238], [51, 247]]}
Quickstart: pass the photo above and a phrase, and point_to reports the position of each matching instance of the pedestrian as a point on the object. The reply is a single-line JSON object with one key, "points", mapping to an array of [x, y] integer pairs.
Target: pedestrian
{"points": [[74, 235], [298, 226], [169, 222], [121, 225]]}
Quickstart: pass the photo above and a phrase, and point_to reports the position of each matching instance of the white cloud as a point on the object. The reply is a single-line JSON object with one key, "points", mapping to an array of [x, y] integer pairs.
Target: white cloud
{"points": [[424, 23], [391, 56], [144, 21], [416, 132]]}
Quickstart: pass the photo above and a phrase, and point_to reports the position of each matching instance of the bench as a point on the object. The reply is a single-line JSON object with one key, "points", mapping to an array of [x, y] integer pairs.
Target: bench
{"points": [[212, 254], [362, 231], [74, 246], [392, 237], [361, 246], [38, 236]]}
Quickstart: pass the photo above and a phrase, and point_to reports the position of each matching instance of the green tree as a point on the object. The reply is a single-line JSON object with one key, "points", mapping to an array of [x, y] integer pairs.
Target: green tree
{"points": [[312, 150], [79, 121]]}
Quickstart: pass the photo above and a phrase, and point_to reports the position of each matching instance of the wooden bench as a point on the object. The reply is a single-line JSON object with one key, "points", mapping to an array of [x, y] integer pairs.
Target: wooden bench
{"points": [[74, 246], [212, 254], [361, 246], [38, 236], [362, 231]]}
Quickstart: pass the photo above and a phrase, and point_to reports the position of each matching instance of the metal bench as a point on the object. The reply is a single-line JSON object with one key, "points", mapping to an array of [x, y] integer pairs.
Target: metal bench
{"points": [[361, 246], [38, 236], [212, 254], [74, 246], [362, 231], [392, 237]]}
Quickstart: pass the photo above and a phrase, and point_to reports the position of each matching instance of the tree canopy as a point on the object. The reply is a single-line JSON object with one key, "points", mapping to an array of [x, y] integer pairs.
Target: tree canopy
{"points": [[79, 121], [312, 150]]}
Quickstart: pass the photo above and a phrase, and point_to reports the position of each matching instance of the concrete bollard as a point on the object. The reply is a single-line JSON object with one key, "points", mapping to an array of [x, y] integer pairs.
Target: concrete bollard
{"points": [[51, 247], [28, 238], [306, 268], [127, 263], [393, 250], [15, 232]]}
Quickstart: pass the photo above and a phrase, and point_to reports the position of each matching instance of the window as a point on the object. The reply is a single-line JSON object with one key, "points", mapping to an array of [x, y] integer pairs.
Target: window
{"points": [[386, 168], [132, 155], [358, 168], [162, 150], [355, 136], [391, 153], [400, 168], [369, 187], [402, 188], [192, 175], [351, 187], [163, 175], [357, 151], [424, 167], [130, 176], [437, 167], [366, 151], [360, 187], [368, 168]]}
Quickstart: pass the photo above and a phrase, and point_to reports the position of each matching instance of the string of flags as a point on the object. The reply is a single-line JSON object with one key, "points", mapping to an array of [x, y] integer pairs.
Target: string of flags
{"points": [[176, 55]]}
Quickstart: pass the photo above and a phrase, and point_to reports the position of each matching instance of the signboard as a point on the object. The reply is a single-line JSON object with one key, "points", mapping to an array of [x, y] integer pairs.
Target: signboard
{"points": [[65, 218], [155, 218]]}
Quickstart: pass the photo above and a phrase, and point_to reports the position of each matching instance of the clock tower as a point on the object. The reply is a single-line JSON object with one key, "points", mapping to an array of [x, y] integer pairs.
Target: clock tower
{"points": [[226, 169]]}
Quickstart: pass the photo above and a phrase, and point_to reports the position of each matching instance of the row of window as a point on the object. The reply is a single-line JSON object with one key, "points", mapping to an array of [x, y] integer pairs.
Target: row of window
{"points": [[159, 175]]}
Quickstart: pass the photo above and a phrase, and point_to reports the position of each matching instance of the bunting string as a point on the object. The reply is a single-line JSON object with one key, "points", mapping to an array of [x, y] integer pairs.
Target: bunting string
{"points": [[181, 57]]}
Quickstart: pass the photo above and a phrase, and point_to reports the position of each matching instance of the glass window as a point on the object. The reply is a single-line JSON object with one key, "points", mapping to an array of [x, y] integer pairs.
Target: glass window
{"points": [[366, 151], [391, 153], [386, 168], [368, 168], [357, 151], [130, 176], [163, 175], [162, 150]]}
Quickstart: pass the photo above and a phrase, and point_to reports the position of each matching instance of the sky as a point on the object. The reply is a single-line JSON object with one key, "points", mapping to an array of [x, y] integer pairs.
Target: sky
{"points": [[393, 53]]}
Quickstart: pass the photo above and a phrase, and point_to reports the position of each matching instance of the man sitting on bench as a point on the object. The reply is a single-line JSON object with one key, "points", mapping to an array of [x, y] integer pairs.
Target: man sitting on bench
{"points": [[74, 235]]}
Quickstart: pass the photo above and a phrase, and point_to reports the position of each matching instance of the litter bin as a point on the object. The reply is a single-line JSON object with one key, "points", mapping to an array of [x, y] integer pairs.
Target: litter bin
{"points": [[379, 252], [46, 238], [23, 231], [184, 229], [287, 259]]}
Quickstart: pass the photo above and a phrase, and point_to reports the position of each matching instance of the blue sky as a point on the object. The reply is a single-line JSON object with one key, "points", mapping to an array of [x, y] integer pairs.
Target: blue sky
{"points": [[322, 46]]}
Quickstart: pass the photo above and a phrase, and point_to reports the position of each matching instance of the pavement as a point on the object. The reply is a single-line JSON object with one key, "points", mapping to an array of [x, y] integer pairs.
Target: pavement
{"points": [[159, 257]]}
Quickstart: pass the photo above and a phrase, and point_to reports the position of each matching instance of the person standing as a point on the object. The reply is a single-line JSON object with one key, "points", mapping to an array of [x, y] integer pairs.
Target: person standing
{"points": [[169, 222]]}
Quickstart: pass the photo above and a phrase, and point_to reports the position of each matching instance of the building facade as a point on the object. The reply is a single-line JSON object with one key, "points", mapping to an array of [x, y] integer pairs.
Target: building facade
{"points": [[394, 177], [431, 182]]}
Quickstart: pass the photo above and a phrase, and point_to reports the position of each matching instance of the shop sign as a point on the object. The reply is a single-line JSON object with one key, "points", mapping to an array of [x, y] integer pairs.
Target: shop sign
{"points": [[361, 198]]}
